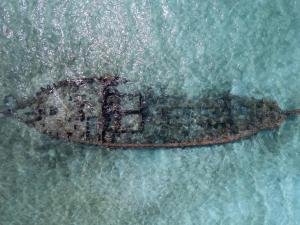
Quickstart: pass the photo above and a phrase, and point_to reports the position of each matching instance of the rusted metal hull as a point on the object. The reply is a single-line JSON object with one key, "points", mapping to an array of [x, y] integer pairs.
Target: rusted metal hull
{"points": [[106, 111], [199, 142]]}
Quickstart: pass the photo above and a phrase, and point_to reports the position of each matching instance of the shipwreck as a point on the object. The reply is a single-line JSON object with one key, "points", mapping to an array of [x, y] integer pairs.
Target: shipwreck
{"points": [[103, 111]]}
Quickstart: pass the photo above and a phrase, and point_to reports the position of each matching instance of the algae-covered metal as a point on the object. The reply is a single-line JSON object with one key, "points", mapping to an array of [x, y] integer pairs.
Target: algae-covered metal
{"points": [[105, 111]]}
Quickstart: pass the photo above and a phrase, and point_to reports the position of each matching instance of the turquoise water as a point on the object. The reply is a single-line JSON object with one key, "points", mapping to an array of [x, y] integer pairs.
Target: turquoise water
{"points": [[248, 47]]}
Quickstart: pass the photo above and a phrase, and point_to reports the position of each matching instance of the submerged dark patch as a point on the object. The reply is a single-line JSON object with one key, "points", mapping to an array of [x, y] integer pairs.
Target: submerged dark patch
{"points": [[99, 111]]}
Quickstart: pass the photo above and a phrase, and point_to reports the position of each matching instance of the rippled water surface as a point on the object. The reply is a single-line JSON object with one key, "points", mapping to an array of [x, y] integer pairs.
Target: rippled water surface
{"points": [[248, 47]]}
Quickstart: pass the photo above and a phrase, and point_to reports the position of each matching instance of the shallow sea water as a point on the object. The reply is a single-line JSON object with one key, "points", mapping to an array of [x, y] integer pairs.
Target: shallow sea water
{"points": [[248, 47]]}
